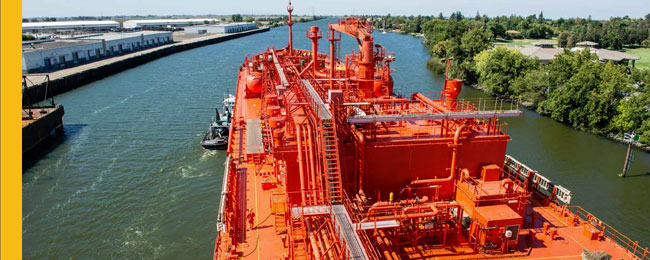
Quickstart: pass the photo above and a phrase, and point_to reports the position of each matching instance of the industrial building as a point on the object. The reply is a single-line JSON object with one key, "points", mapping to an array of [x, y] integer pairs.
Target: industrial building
{"points": [[220, 28], [52, 55], [61, 26], [156, 24]]}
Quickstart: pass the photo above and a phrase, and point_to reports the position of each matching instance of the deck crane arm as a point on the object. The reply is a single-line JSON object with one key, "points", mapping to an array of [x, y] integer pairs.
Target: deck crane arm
{"points": [[361, 30]]}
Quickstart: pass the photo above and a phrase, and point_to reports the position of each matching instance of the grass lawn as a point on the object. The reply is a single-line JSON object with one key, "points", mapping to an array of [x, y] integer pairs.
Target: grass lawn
{"points": [[644, 53], [522, 42]]}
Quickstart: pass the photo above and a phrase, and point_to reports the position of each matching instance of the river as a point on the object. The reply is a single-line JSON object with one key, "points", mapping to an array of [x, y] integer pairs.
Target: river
{"points": [[129, 180]]}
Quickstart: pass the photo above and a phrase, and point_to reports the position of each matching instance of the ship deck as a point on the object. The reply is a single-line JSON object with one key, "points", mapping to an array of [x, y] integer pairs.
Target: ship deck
{"points": [[267, 237], [568, 243], [262, 241], [36, 114]]}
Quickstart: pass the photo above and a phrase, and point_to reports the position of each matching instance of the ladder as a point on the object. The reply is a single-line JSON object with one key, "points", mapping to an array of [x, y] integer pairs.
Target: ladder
{"points": [[331, 164], [298, 240]]}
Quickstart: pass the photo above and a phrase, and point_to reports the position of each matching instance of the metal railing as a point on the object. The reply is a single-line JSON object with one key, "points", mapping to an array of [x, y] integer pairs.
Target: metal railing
{"points": [[557, 194], [631, 247], [522, 173]]}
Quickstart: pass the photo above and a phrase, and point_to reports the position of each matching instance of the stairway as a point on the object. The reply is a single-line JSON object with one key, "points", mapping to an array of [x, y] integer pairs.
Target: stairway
{"points": [[330, 149], [298, 240]]}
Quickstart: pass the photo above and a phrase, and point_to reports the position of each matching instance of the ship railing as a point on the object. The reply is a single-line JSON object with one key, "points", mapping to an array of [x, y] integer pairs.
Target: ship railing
{"points": [[498, 107], [531, 179], [357, 22], [631, 247], [560, 197]]}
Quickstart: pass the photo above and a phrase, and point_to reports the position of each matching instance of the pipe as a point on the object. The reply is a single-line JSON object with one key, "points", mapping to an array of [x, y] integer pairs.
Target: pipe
{"points": [[438, 181], [312, 162], [332, 40], [300, 164], [454, 148], [452, 174], [428, 101], [433, 208], [507, 184], [380, 204], [408, 211], [404, 216], [306, 68], [325, 244], [321, 74], [386, 100], [362, 146], [314, 245], [314, 36], [384, 247], [307, 146]]}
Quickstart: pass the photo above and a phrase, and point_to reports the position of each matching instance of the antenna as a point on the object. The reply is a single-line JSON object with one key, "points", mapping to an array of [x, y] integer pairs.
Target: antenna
{"points": [[290, 23]]}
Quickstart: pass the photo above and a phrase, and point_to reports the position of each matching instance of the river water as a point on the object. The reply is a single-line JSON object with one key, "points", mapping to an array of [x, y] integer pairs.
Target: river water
{"points": [[129, 180]]}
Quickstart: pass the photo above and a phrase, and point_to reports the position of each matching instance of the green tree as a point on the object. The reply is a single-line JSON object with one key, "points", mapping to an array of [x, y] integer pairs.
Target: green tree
{"points": [[632, 113], [566, 64], [645, 132], [472, 43], [563, 39], [498, 68], [496, 28], [602, 102], [27, 37], [566, 102], [236, 18], [531, 88]]}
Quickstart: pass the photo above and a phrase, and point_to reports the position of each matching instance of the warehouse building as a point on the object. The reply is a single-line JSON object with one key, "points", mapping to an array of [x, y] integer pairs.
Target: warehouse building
{"points": [[40, 56], [157, 24], [220, 28], [63, 26]]}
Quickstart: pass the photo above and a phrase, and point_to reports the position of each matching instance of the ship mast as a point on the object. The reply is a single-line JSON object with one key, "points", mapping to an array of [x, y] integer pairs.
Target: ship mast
{"points": [[290, 23]]}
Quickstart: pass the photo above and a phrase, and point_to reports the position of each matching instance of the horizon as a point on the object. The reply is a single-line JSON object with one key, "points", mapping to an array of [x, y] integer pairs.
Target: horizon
{"points": [[552, 9]]}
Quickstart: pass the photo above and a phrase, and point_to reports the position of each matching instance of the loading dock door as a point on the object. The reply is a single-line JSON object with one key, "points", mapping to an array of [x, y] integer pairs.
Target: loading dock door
{"points": [[48, 63]]}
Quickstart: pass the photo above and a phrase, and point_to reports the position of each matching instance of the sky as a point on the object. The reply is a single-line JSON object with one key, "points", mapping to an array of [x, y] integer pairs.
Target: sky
{"points": [[598, 9]]}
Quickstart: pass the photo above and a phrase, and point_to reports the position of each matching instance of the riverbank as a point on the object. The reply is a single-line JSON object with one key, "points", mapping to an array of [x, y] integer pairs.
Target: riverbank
{"points": [[530, 107], [68, 79]]}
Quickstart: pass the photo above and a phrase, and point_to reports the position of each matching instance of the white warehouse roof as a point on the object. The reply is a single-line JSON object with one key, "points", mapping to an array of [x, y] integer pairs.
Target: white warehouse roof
{"points": [[69, 25], [131, 24]]}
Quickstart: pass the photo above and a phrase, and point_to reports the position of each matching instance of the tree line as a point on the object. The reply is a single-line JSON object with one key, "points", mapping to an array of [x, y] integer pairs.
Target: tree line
{"points": [[574, 88], [613, 33]]}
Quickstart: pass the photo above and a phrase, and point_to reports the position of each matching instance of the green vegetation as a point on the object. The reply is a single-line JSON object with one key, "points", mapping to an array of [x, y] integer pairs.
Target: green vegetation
{"points": [[575, 88], [644, 53], [27, 37], [236, 18]]}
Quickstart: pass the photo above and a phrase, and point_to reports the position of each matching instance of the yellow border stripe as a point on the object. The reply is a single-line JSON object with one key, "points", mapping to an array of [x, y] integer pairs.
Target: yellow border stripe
{"points": [[11, 132]]}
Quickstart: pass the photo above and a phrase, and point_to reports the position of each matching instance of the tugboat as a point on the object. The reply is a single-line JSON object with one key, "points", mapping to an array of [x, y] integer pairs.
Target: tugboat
{"points": [[216, 138]]}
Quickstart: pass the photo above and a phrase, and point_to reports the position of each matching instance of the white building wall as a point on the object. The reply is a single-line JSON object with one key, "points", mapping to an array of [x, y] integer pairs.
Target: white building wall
{"points": [[161, 23], [34, 60], [70, 25], [221, 28]]}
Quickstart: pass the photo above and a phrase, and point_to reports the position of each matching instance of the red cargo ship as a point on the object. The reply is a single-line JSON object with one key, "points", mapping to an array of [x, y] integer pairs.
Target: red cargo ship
{"points": [[325, 161]]}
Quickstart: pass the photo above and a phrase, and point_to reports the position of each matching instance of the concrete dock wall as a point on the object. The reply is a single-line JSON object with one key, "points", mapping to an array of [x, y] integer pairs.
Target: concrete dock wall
{"points": [[68, 82]]}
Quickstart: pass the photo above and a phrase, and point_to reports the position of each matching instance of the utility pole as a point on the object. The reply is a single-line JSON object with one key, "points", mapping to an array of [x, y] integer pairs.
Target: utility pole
{"points": [[630, 138]]}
